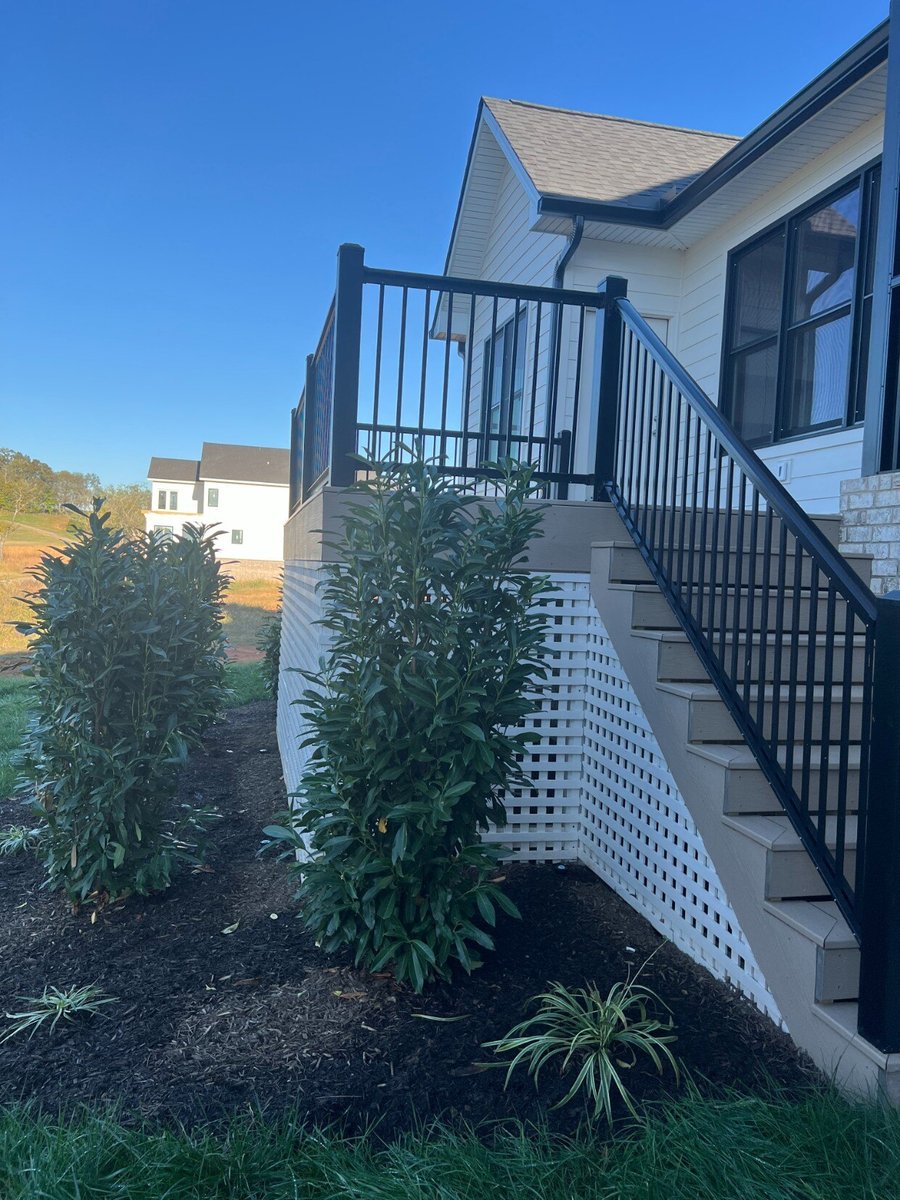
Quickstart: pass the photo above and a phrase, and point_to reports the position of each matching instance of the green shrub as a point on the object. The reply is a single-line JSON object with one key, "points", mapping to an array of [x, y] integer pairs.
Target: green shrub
{"points": [[128, 664], [269, 642], [436, 644]]}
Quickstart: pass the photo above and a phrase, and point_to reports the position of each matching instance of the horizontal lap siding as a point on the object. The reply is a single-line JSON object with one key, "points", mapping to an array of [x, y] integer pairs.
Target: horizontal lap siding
{"points": [[817, 464], [514, 254]]}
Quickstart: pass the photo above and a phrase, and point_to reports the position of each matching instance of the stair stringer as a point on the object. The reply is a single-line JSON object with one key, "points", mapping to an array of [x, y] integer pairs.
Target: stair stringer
{"points": [[786, 959]]}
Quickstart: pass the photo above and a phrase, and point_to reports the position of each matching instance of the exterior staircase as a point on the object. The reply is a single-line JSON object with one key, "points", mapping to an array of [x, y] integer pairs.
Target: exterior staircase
{"points": [[805, 948]]}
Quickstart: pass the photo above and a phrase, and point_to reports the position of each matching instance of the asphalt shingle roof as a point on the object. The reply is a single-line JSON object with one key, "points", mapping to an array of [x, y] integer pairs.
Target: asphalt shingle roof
{"points": [[246, 464], [179, 470], [588, 156]]}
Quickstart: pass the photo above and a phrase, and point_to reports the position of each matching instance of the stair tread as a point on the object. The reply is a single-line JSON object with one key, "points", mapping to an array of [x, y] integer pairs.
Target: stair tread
{"points": [[734, 756], [679, 637], [776, 832], [695, 690], [623, 544], [819, 920]]}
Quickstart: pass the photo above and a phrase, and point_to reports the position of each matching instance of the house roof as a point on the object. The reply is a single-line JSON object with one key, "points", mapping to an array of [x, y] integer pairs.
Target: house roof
{"points": [[604, 159], [245, 464], [634, 180], [178, 470]]}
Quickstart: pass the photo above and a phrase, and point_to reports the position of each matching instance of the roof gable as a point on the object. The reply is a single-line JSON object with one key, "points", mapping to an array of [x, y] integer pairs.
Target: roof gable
{"points": [[612, 160]]}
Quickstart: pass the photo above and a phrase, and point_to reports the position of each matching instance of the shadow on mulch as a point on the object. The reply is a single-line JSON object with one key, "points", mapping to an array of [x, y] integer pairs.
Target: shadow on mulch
{"points": [[209, 1022]]}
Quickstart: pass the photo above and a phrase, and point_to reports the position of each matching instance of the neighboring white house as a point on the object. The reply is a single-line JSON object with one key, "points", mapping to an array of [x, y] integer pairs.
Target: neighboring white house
{"points": [[242, 489]]}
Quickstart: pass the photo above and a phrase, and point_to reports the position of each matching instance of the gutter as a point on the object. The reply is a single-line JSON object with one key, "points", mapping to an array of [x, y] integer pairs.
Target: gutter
{"points": [[850, 68]]}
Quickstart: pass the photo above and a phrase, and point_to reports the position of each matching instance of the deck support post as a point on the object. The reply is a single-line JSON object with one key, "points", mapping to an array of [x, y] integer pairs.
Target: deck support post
{"points": [[879, 870], [607, 370]]}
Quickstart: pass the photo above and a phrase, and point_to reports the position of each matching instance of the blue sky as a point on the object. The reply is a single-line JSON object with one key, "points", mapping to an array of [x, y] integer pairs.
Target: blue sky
{"points": [[177, 175]]}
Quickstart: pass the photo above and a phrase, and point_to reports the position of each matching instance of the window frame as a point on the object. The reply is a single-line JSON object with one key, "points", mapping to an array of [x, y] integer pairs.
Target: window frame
{"points": [[506, 408], [866, 178]]}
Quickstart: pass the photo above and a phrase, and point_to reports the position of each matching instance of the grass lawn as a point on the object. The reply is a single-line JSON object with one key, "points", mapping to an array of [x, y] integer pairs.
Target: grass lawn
{"points": [[690, 1149], [249, 604], [244, 679]]}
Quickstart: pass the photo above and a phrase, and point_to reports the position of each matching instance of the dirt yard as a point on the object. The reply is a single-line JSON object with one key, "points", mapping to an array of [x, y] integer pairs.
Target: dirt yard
{"points": [[223, 1001]]}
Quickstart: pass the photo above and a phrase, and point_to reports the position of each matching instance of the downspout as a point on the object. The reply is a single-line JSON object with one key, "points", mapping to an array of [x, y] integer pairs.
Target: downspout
{"points": [[559, 276], [565, 258]]}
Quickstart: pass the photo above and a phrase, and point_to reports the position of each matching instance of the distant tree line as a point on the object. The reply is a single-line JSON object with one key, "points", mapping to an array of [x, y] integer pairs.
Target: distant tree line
{"points": [[28, 485]]}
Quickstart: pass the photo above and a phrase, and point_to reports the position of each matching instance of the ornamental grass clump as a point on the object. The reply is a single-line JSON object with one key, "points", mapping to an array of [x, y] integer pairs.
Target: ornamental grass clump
{"points": [[436, 652], [596, 1036], [128, 672]]}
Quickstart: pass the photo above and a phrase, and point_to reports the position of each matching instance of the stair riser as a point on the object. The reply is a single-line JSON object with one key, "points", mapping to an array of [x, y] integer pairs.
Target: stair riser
{"points": [[790, 875], [837, 974], [709, 721], [666, 526], [678, 662], [627, 566], [747, 792], [651, 611]]}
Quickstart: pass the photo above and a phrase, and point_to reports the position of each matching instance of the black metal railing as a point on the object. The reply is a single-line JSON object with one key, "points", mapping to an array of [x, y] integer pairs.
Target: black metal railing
{"points": [[462, 371], [789, 634]]}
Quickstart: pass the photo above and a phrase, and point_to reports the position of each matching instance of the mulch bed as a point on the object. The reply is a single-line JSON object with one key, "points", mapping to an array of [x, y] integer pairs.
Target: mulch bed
{"points": [[209, 1022]]}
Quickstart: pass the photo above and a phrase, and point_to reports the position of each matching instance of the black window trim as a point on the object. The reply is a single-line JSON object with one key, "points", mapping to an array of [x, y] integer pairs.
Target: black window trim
{"points": [[787, 224], [488, 366]]}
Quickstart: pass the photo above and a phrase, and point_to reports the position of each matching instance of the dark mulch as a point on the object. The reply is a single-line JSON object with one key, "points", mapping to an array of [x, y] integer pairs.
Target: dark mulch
{"points": [[209, 1022]]}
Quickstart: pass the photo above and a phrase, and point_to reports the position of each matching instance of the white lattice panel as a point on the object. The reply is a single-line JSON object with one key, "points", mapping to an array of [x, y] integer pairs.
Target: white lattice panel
{"points": [[601, 792], [638, 834], [543, 820], [302, 645]]}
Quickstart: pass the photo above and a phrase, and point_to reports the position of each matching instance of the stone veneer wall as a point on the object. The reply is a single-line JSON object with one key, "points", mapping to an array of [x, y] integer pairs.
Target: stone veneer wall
{"points": [[870, 524]]}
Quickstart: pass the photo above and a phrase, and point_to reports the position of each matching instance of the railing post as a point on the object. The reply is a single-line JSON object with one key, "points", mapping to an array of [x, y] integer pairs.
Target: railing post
{"points": [[295, 488], [879, 885], [309, 433], [607, 368], [565, 463], [347, 323]]}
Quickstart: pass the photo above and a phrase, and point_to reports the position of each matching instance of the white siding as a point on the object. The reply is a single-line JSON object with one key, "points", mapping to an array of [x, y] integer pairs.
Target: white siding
{"points": [[516, 254], [190, 504], [258, 510]]}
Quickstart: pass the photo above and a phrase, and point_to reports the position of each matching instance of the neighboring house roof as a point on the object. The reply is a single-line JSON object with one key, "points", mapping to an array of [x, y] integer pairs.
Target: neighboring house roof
{"points": [[245, 464], [179, 470], [611, 160]]}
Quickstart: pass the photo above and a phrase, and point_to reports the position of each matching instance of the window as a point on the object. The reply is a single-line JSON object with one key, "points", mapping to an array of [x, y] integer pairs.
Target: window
{"points": [[161, 498], [798, 314], [237, 537], [502, 385], [166, 529], [212, 497], [173, 500]]}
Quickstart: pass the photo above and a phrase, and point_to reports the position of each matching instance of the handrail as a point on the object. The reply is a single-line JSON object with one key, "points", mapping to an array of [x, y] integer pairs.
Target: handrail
{"points": [[777, 617], [756, 471], [482, 287]]}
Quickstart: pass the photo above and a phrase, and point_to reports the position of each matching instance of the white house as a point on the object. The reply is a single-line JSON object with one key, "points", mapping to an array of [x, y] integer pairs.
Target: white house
{"points": [[694, 338], [241, 489]]}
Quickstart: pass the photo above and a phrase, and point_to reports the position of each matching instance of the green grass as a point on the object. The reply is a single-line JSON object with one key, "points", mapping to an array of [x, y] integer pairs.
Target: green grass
{"points": [[246, 682], [13, 715], [244, 679], [691, 1149]]}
